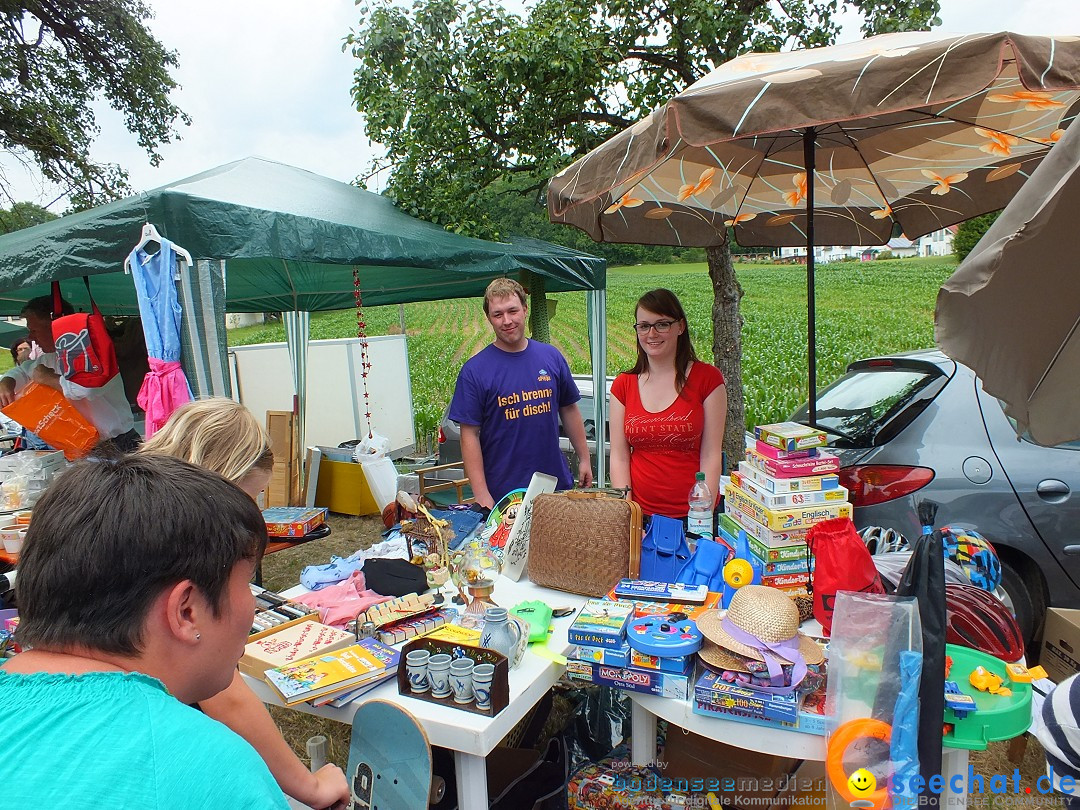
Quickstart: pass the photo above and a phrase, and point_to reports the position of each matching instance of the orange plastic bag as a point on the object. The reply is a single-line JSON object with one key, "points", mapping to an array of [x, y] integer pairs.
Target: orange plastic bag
{"points": [[44, 411]]}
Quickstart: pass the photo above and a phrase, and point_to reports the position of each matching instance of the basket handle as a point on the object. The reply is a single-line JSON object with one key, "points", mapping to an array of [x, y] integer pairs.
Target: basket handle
{"points": [[589, 493]]}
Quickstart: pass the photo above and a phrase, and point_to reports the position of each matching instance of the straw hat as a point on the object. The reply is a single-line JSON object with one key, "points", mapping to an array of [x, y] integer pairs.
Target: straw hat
{"points": [[766, 614], [719, 658]]}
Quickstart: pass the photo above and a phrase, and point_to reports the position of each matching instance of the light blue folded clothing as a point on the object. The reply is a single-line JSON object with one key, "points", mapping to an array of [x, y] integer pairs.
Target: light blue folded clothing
{"points": [[316, 577]]}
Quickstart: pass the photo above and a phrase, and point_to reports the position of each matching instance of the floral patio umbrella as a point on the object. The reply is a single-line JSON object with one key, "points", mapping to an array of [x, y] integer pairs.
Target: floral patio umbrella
{"points": [[842, 145], [1011, 311]]}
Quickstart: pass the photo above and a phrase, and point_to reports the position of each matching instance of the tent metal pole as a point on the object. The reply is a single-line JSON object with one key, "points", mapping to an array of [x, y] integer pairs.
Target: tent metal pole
{"points": [[811, 324], [597, 310]]}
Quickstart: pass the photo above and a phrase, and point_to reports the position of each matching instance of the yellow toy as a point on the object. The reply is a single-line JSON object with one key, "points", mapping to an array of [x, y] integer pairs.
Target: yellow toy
{"points": [[986, 681]]}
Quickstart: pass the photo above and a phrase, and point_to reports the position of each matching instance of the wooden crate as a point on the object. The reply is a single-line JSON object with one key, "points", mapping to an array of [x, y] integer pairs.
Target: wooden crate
{"points": [[284, 486]]}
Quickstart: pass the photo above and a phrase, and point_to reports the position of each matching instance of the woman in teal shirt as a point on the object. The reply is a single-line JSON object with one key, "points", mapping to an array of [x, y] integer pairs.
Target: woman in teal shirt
{"points": [[134, 602]]}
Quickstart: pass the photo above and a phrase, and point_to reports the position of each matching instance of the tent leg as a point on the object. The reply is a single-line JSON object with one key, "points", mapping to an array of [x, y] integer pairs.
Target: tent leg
{"points": [[597, 312]]}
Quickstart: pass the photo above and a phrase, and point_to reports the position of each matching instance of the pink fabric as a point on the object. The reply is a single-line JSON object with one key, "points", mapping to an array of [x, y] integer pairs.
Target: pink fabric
{"points": [[164, 389], [339, 604]]}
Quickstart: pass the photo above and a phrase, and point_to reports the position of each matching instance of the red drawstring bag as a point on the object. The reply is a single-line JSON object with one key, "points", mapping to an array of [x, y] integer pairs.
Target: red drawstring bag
{"points": [[841, 563], [84, 350]]}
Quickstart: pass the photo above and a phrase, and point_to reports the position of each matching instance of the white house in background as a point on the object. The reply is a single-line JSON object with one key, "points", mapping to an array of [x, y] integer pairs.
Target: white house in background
{"points": [[938, 243]]}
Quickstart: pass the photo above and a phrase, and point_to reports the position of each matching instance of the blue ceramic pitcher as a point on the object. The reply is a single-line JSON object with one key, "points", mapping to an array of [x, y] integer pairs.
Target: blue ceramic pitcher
{"points": [[501, 634]]}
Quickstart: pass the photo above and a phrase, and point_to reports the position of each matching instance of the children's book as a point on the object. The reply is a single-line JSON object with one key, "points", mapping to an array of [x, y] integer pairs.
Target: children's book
{"points": [[290, 644], [332, 673]]}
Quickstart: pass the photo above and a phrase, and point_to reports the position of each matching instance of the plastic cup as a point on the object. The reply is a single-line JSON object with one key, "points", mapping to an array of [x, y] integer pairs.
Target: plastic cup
{"points": [[12, 537]]}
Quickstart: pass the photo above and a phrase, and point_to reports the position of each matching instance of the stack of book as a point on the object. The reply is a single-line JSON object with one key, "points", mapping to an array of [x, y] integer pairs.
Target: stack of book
{"points": [[787, 484], [337, 677], [603, 656]]}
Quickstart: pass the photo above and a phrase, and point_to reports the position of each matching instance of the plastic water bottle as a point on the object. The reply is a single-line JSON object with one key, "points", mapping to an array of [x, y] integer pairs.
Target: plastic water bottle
{"points": [[699, 519]]}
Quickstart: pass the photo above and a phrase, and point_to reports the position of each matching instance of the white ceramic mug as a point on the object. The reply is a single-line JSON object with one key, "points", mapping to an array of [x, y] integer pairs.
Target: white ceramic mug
{"points": [[416, 666], [461, 681], [482, 676], [438, 672]]}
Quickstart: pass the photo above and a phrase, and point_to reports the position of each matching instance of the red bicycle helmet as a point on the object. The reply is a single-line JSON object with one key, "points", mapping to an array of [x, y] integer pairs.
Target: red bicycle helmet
{"points": [[976, 618]]}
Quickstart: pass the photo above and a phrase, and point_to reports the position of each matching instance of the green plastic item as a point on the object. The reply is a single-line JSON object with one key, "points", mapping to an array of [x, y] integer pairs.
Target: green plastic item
{"points": [[995, 717], [537, 615]]}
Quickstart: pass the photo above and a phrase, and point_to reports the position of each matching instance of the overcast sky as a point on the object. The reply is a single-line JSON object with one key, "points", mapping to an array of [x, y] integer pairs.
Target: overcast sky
{"points": [[268, 78]]}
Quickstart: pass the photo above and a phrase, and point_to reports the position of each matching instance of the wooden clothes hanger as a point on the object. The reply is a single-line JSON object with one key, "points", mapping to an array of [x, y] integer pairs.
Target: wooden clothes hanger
{"points": [[150, 236]]}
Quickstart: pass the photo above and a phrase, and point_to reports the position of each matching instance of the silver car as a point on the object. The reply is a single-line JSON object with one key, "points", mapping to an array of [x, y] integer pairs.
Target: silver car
{"points": [[918, 426]]}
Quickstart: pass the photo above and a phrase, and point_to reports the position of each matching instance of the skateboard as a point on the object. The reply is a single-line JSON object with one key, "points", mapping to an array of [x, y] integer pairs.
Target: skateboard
{"points": [[390, 760]]}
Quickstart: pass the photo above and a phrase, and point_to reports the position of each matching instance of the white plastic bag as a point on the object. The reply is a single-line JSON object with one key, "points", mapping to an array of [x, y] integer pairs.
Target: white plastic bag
{"points": [[371, 448]]}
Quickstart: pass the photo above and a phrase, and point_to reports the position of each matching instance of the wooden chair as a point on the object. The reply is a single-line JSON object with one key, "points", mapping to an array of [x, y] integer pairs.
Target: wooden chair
{"points": [[435, 485]]}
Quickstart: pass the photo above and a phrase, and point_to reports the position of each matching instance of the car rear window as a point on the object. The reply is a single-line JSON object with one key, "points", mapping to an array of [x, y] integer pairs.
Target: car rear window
{"points": [[870, 400]]}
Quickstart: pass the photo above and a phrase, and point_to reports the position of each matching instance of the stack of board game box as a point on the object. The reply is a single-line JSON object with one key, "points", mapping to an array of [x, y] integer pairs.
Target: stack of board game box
{"points": [[604, 656], [786, 484]]}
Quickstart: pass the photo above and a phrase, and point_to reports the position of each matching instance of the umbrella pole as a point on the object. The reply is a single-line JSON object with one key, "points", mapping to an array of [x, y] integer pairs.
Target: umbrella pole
{"points": [[811, 324]]}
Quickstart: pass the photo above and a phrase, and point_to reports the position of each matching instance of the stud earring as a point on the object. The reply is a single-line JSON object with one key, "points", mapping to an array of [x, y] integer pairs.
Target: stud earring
{"points": [[198, 636]]}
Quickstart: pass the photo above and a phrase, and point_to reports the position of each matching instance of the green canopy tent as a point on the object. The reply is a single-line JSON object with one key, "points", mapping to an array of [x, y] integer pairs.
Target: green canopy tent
{"points": [[282, 239]]}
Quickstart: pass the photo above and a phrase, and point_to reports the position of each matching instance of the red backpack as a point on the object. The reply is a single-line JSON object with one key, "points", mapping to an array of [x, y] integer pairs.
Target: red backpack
{"points": [[84, 350]]}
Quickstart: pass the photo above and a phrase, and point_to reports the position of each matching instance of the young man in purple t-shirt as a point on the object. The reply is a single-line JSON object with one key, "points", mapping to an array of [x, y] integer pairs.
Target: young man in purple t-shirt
{"points": [[509, 399]]}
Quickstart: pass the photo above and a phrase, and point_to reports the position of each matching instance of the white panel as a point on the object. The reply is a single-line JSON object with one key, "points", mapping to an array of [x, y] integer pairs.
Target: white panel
{"points": [[335, 398]]}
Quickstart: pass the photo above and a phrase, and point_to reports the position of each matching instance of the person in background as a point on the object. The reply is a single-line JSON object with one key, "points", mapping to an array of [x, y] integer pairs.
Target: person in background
{"points": [[509, 399], [667, 413], [224, 437], [20, 350], [106, 408], [124, 621]]}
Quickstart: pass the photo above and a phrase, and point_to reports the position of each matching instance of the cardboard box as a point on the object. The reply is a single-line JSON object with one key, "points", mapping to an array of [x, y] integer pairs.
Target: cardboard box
{"points": [[710, 689], [1060, 655], [649, 682], [611, 656], [784, 520], [738, 778], [292, 521]]}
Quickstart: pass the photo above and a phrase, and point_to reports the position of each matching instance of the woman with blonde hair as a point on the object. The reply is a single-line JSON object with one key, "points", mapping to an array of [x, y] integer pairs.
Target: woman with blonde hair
{"points": [[223, 436]]}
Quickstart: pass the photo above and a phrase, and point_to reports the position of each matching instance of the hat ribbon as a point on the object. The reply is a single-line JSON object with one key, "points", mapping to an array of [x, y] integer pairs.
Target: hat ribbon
{"points": [[788, 650]]}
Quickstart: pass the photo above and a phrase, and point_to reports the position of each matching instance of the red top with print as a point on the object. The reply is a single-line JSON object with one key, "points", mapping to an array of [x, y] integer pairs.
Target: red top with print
{"points": [[665, 447]]}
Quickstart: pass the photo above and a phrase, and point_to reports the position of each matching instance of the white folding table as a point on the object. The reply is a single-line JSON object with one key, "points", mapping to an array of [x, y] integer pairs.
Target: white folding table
{"points": [[470, 736]]}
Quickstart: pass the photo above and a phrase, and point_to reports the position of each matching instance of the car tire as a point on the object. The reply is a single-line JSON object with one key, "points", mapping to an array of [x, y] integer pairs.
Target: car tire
{"points": [[1026, 600]]}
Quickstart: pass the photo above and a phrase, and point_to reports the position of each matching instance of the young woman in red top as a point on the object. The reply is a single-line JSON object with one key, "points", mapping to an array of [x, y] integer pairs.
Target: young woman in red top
{"points": [[667, 413]]}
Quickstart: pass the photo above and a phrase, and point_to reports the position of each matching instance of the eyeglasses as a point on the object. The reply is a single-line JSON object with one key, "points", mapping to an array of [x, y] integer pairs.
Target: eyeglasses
{"points": [[661, 327]]}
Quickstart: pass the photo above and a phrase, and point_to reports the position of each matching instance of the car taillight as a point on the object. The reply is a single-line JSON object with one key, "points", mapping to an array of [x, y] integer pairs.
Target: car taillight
{"points": [[442, 436], [877, 483]]}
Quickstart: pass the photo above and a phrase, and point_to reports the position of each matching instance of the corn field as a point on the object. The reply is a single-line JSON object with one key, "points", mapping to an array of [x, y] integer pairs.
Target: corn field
{"points": [[863, 308]]}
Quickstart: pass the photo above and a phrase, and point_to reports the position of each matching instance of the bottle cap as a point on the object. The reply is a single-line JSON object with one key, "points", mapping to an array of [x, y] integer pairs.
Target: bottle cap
{"points": [[700, 476]]}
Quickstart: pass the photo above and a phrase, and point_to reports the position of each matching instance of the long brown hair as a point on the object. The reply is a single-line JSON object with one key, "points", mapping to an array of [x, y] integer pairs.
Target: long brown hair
{"points": [[666, 303]]}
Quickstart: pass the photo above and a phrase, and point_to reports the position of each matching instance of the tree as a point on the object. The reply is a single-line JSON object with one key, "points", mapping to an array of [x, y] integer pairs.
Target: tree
{"points": [[467, 96], [55, 60], [970, 232], [23, 215]]}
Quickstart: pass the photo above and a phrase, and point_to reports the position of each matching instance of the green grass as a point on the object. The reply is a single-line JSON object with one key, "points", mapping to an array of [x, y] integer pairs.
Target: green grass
{"points": [[863, 308]]}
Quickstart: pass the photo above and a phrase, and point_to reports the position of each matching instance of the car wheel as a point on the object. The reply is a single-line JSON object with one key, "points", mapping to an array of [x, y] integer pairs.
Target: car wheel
{"points": [[1024, 599]]}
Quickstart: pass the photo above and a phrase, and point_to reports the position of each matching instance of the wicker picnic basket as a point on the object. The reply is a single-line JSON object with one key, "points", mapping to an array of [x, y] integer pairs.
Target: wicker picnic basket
{"points": [[584, 542]]}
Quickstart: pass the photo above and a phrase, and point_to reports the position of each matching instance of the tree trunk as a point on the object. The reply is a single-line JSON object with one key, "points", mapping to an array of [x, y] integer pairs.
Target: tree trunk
{"points": [[727, 346]]}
